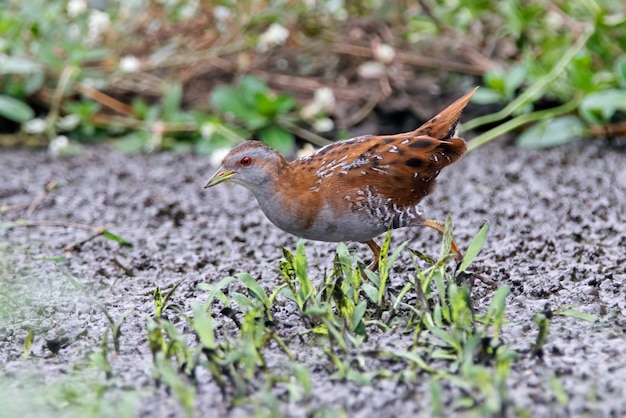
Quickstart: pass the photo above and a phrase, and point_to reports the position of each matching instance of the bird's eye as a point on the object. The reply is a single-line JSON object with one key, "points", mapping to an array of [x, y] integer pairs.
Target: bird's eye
{"points": [[245, 161]]}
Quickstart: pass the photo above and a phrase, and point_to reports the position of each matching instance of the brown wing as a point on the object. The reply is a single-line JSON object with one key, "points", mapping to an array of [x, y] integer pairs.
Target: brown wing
{"points": [[401, 167]]}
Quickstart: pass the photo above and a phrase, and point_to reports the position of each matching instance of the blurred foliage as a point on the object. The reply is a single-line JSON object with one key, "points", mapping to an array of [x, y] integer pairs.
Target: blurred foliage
{"points": [[81, 71]]}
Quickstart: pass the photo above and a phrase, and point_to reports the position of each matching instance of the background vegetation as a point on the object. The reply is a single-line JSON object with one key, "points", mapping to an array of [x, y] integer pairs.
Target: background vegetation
{"points": [[188, 74]]}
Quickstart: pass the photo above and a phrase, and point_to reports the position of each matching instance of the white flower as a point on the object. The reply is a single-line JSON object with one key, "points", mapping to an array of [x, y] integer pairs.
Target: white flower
{"points": [[69, 122], [218, 155], [189, 9], [208, 129], [222, 16], [307, 149], [222, 13], [325, 97], [76, 8], [35, 126], [371, 69], [96, 83], [384, 53], [58, 145], [276, 34], [323, 101], [98, 23], [323, 125], [129, 64]]}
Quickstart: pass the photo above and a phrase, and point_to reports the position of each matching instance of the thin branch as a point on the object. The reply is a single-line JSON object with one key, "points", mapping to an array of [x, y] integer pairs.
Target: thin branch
{"points": [[362, 113], [24, 222], [75, 245], [57, 97], [105, 99], [40, 198], [412, 59], [303, 133]]}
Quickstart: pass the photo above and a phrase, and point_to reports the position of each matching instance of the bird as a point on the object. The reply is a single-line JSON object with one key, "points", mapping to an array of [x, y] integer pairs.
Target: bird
{"points": [[351, 190]]}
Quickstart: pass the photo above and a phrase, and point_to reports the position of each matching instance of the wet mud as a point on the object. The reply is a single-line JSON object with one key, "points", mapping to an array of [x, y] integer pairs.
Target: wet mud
{"points": [[557, 238]]}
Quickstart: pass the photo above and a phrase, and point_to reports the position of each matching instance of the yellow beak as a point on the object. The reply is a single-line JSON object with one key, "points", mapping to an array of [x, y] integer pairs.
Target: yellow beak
{"points": [[221, 176]]}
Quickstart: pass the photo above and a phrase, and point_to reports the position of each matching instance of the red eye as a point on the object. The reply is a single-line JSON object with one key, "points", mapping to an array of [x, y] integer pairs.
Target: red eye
{"points": [[245, 161]]}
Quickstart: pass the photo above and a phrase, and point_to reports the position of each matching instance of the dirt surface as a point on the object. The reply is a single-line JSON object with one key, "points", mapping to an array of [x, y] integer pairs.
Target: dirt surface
{"points": [[557, 238]]}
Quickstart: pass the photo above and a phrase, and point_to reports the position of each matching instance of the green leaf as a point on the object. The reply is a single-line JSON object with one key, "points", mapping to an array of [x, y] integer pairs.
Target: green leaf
{"points": [[446, 242], [288, 293], [620, 71], [577, 314], [265, 105], [172, 101], [28, 342], [55, 259], [284, 103], [486, 95], [227, 100], [157, 300], [14, 109], [361, 378], [303, 377], [514, 78], [109, 235], [357, 314], [100, 361], [204, 325], [600, 107], [277, 138], [435, 398], [496, 311], [132, 143], [581, 73], [553, 132], [19, 65], [216, 291], [475, 247], [254, 288], [242, 301], [73, 280], [370, 291], [495, 80], [252, 86], [558, 391]]}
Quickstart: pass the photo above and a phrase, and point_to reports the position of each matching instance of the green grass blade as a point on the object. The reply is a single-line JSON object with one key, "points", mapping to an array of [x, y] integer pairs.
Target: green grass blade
{"points": [[113, 237], [382, 268], [28, 342], [446, 244], [255, 289], [301, 266], [204, 326], [577, 314], [475, 247], [215, 291]]}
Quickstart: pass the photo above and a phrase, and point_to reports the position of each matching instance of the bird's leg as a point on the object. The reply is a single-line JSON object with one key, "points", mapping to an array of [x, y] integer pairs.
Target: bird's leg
{"points": [[376, 250], [438, 226]]}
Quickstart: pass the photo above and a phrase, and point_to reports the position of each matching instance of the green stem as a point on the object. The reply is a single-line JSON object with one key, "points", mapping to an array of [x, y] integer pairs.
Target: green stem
{"points": [[534, 90], [508, 126]]}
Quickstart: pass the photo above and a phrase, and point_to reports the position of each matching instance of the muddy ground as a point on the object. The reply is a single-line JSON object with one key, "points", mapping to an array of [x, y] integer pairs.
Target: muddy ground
{"points": [[558, 239]]}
